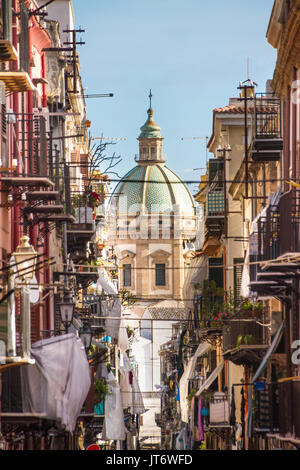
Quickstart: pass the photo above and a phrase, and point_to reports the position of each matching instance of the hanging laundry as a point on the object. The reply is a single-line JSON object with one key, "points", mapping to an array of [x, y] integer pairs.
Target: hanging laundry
{"points": [[130, 377], [200, 425], [243, 412], [233, 408]]}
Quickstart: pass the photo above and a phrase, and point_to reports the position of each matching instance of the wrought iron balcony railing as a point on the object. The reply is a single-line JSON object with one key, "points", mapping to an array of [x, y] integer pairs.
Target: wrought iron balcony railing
{"points": [[289, 407], [247, 332], [267, 142]]}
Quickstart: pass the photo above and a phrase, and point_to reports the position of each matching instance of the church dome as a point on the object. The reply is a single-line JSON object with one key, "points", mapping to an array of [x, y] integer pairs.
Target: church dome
{"points": [[156, 188], [151, 186]]}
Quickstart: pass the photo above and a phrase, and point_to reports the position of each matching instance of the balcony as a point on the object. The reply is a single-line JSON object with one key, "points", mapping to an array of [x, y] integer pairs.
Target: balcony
{"points": [[276, 247], [97, 308], [215, 212], [266, 416], [206, 313], [267, 142], [289, 408], [83, 227], [245, 341], [16, 82], [7, 51]]}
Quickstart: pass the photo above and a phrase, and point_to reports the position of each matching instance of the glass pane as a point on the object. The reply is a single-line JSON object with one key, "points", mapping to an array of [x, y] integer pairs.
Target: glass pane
{"points": [[127, 274], [160, 274]]}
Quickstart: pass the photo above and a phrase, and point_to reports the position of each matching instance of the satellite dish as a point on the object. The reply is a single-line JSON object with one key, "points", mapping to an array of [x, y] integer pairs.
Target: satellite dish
{"points": [[34, 293]]}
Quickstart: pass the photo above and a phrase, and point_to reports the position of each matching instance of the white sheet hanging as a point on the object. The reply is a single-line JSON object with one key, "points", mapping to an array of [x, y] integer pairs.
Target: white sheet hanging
{"points": [[114, 428], [203, 348], [59, 381]]}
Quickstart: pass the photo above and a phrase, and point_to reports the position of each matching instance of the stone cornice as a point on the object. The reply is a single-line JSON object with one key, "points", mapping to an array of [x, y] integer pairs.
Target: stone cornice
{"points": [[288, 54]]}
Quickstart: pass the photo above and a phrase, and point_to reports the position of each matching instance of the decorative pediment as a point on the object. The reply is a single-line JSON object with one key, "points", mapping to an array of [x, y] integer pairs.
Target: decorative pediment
{"points": [[160, 254], [127, 254]]}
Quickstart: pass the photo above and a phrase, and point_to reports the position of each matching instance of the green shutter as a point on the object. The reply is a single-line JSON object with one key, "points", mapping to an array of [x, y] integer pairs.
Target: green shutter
{"points": [[237, 278]]}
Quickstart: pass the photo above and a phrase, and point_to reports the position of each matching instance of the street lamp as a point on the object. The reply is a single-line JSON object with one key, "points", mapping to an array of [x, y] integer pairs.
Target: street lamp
{"points": [[85, 334], [66, 310], [25, 258]]}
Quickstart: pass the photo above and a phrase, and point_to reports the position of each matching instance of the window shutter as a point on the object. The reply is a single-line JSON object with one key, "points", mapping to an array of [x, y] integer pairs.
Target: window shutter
{"points": [[67, 188], [237, 279], [7, 19], [24, 38], [43, 147], [35, 323]]}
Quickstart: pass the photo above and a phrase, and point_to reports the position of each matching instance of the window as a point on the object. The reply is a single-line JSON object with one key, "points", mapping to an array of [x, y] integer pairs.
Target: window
{"points": [[144, 153], [152, 150], [160, 274], [127, 275]]}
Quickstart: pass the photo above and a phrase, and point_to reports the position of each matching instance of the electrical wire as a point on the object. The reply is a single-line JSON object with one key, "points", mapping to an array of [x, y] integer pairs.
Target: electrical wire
{"points": [[123, 179]]}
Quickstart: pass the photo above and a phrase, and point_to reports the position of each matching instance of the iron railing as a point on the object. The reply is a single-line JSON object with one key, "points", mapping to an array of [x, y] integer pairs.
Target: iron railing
{"points": [[279, 230], [266, 408], [267, 116], [244, 332], [289, 407]]}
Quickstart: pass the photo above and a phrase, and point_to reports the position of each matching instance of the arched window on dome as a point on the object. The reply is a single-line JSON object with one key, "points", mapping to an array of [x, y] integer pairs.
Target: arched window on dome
{"points": [[144, 153], [153, 154]]}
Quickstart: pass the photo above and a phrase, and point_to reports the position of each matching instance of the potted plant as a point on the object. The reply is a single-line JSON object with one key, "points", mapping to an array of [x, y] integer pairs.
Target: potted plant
{"points": [[100, 391]]}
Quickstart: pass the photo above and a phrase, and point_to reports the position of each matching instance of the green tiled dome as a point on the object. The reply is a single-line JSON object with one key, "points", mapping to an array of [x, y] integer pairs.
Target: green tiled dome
{"points": [[155, 187]]}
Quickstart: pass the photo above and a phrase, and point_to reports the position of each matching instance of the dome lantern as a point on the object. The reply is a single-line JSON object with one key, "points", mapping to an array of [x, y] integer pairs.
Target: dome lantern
{"points": [[150, 139]]}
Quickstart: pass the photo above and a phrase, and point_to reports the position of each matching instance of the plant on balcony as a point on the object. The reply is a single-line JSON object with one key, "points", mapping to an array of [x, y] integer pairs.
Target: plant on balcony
{"points": [[245, 339], [217, 305], [101, 390], [248, 308]]}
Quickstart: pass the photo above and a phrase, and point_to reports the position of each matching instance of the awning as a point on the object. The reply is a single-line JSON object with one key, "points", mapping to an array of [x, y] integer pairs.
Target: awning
{"points": [[210, 379], [272, 348], [202, 349]]}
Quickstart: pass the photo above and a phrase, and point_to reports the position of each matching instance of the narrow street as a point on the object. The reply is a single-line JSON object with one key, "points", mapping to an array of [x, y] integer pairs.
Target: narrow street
{"points": [[149, 228]]}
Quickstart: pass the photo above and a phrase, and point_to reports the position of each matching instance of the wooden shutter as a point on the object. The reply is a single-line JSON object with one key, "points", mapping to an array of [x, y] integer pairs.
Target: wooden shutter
{"points": [[35, 323], [40, 146], [6, 8], [43, 147], [24, 38], [237, 279], [67, 188]]}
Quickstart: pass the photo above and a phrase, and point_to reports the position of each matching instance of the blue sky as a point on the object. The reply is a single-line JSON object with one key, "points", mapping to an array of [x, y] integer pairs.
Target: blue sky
{"points": [[191, 53]]}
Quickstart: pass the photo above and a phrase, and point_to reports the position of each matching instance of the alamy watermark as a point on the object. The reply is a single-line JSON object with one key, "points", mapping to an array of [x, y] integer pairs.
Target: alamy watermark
{"points": [[160, 222], [296, 353]]}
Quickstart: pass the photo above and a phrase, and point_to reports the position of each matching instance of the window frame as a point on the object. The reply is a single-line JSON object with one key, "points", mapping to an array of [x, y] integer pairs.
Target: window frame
{"points": [[159, 270], [127, 268]]}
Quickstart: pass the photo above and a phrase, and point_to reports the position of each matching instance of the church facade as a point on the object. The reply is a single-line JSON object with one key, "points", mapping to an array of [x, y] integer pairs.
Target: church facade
{"points": [[153, 218]]}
